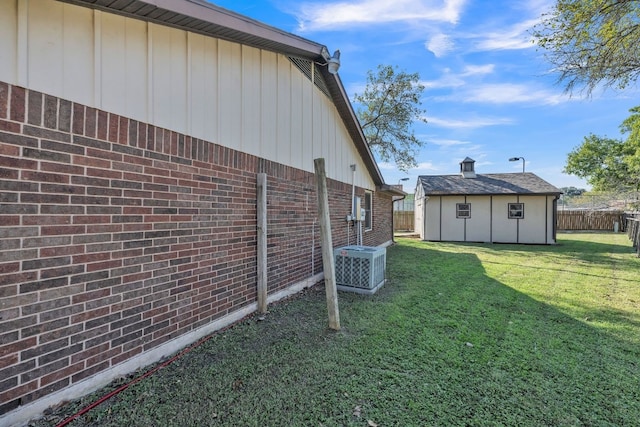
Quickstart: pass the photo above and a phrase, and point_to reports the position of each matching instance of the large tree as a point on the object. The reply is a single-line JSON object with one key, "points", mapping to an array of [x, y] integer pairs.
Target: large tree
{"points": [[610, 164], [387, 111], [592, 42]]}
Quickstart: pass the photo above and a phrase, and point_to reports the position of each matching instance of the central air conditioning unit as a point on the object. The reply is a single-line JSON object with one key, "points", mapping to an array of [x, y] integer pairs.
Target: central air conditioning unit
{"points": [[360, 269]]}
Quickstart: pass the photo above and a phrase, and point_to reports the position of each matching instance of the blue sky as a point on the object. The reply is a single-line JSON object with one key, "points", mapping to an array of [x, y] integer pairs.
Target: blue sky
{"points": [[489, 93]]}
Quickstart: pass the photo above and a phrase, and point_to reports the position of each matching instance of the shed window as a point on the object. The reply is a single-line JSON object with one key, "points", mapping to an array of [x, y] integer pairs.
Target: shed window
{"points": [[516, 210], [463, 210], [368, 198]]}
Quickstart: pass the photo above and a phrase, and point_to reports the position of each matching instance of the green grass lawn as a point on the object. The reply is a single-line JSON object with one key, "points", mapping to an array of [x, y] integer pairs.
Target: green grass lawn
{"points": [[461, 335]]}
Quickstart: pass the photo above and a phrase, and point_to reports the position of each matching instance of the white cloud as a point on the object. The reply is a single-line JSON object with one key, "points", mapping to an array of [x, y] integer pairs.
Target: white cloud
{"points": [[387, 165], [422, 166], [473, 70], [425, 166], [470, 123], [511, 38], [446, 81], [440, 45], [510, 93], [324, 15], [447, 142], [450, 80]]}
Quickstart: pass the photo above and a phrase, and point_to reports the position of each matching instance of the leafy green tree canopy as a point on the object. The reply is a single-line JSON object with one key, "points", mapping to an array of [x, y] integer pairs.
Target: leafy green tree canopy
{"points": [[609, 164], [389, 106], [592, 42]]}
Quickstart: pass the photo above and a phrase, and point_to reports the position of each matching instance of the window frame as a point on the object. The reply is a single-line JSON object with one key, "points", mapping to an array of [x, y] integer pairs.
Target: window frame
{"points": [[368, 208], [515, 210], [460, 210]]}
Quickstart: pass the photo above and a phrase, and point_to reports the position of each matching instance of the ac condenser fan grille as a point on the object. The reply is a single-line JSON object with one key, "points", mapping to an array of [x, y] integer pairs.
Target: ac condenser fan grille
{"points": [[360, 267]]}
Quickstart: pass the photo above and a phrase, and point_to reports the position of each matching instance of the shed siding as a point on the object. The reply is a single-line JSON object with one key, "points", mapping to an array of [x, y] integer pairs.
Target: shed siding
{"points": [[532, 227], [505, 230], [432, 218], [419, 209], [453, 229], [478, 227], [489, 220], [234, 95]]}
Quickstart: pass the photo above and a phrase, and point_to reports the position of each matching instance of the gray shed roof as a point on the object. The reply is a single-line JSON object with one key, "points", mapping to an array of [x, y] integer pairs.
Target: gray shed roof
{"points": [[486, 184], [205, 18]]}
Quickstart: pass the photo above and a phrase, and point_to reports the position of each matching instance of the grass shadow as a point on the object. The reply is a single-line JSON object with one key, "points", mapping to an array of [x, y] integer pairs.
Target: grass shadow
{"points": [[547, 367]]}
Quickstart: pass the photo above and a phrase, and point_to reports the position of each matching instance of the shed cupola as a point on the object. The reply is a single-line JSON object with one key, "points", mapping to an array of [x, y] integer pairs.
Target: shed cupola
{"points": [[467, 168]]}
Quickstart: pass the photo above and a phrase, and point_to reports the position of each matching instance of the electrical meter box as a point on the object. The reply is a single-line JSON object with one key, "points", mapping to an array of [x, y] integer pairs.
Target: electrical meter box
{"points": [[357, 210]]}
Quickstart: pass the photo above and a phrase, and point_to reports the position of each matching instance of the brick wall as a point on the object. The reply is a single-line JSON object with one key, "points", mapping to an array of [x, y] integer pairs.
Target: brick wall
{"points": [[117, 236]]}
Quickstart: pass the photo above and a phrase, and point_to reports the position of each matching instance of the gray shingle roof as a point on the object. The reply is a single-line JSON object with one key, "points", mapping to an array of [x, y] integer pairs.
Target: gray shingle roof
{"points": [[486, 184]]}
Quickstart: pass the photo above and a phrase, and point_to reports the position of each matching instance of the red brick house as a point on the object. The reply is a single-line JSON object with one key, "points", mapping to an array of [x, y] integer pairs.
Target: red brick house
{"points": [[131, 135]]}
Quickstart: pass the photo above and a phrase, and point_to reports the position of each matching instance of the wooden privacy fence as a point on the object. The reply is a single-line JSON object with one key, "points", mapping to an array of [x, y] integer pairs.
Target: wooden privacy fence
{"points": [[633, 231], [402, 220], [591, 220]]}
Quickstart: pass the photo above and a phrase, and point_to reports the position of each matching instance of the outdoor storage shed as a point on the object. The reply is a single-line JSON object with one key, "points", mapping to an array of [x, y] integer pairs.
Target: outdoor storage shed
{"points": [[132, 135], [500, 208]]}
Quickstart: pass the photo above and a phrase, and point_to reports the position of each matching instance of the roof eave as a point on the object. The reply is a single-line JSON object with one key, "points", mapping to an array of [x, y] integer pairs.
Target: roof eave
{"points": [[439, 193], [391, 189], [208, 19]]}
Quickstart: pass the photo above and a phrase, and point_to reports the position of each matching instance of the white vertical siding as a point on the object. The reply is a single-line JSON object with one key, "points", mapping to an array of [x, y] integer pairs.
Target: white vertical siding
{"points": [[316, 126], [199, 109], [307, 125], [505, 230], [60, 50], [329, 152], [489, 220], [326, 136], [418, 217], [269, 92], [533, 226], [44, 51], [283, 116], [169, 81], [251, 117], [241, 97], [78, 46], [298, 85], [123, 74], [433, 218], [453, 229], [203, 87], [230, 93], [8, 40], [342, 151], [478, 227]]}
